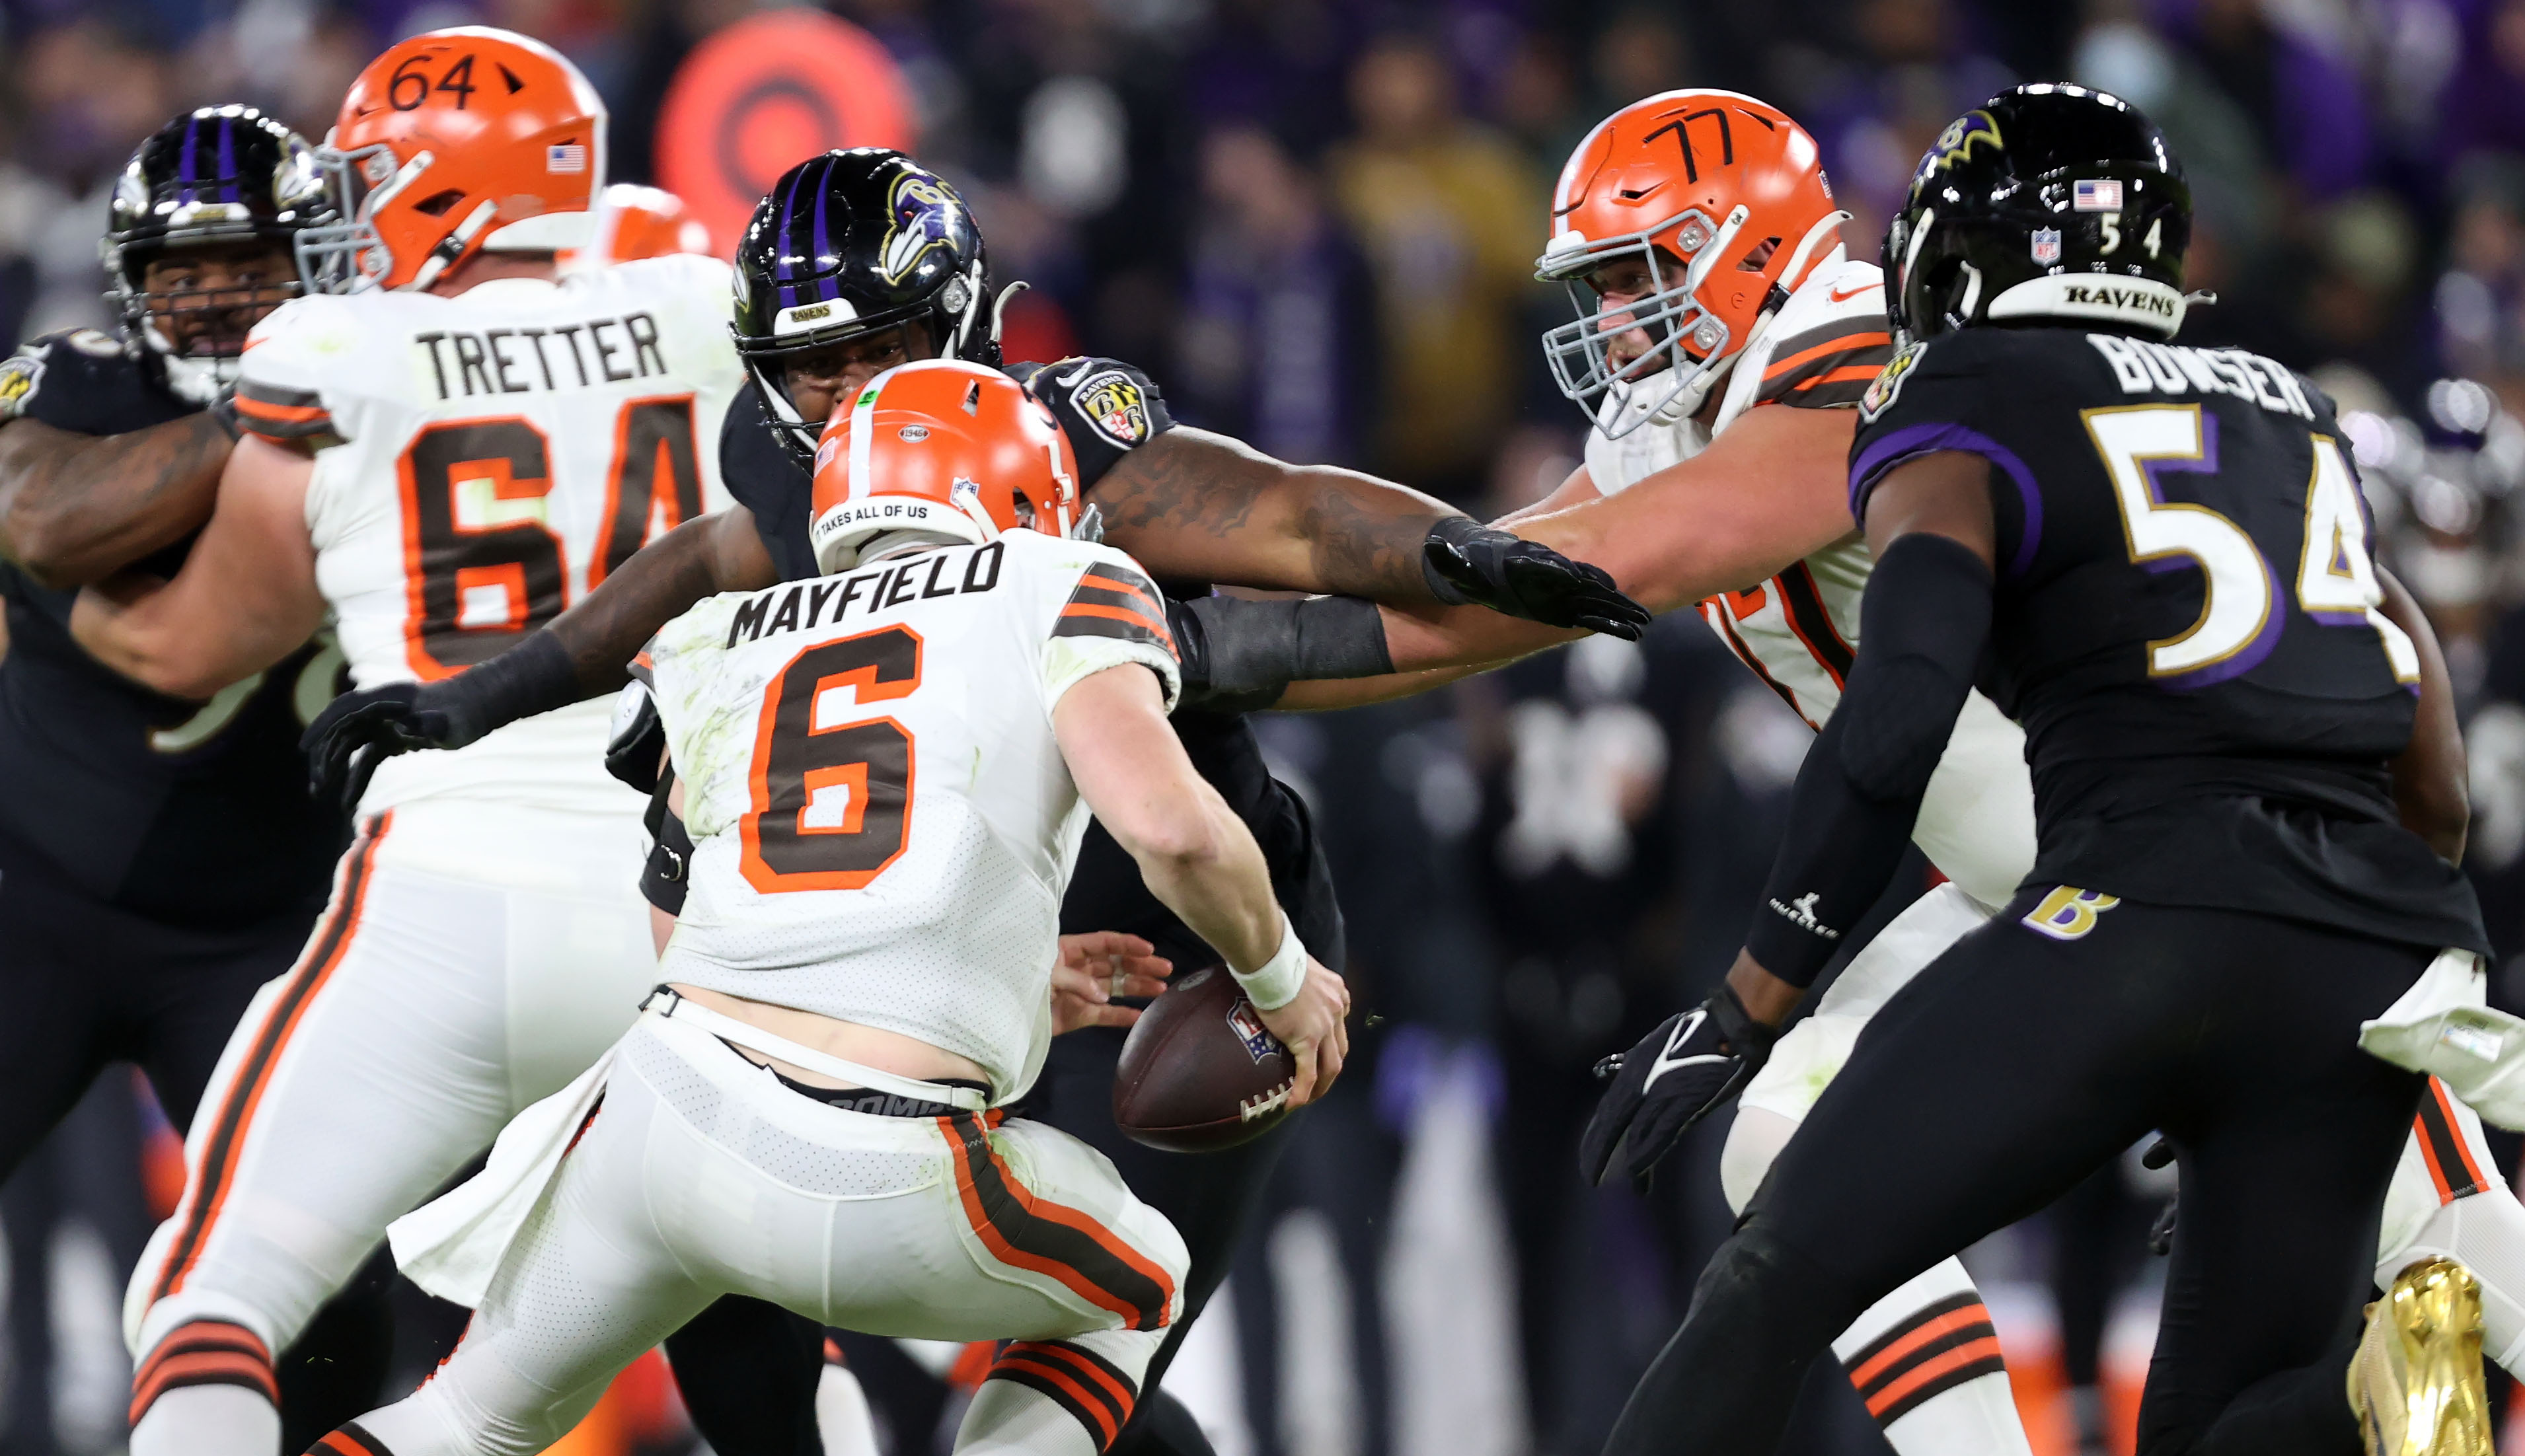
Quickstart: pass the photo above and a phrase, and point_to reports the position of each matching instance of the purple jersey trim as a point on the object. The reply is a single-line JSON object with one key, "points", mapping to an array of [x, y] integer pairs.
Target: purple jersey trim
{"points": [[1913, 441]]}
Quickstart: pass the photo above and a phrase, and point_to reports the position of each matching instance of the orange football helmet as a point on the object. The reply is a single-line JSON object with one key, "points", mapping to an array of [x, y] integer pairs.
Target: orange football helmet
{"points": [[1724, 198], [452, 142], [939, 446], [632, 223]]}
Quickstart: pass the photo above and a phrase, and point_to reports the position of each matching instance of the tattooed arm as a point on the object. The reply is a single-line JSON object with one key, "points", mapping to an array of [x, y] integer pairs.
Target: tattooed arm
{"points": [[1199, 507], [75, 508]]}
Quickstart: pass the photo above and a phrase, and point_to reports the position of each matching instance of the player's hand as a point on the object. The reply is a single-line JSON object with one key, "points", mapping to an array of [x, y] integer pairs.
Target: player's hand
{"points": [[1528, 579], [365, 727], [1096, 969], [1690, 1064], [1315, 1026]]}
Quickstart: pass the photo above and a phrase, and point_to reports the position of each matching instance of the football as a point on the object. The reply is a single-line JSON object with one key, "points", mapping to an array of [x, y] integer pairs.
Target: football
{"points": [[1200, 1071]]}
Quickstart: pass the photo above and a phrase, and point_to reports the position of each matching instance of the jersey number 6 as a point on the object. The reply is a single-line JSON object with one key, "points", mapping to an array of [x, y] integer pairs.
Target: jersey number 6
{"points": [[831, 800]]}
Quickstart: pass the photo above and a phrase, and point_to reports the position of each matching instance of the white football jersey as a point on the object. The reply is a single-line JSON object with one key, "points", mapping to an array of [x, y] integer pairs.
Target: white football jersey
{"points": [[882, 824], [1799, 631], [482, 461]]}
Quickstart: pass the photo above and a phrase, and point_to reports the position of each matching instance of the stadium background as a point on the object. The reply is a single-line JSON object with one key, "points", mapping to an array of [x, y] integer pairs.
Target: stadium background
{"points": [[1312, 222]]}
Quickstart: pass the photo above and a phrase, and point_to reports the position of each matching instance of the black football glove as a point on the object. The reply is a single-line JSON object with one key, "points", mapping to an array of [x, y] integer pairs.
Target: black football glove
{"points": [[1468, 561], [365, 727], [1694, 1061]]}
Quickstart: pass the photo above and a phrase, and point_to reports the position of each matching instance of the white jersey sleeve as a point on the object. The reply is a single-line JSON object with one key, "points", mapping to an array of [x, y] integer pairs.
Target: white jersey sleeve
{"points": [[882, 823], [481, 462]]}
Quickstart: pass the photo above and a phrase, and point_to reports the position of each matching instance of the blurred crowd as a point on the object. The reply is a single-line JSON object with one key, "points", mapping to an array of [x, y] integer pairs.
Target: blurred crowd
{"points": [[1313, 221]]}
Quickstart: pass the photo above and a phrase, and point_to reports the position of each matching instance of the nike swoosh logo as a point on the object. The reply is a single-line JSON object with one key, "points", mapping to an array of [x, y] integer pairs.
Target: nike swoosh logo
{"points": [[1839, 297], [1667, 1061]]}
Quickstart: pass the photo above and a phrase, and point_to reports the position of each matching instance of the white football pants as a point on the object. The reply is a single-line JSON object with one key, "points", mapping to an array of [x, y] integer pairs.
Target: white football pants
{"points": [[1926, 1358], [702, 1176], [475, 959]]}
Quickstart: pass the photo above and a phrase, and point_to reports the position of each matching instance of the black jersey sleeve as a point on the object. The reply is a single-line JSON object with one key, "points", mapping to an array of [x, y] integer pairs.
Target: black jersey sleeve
{"points": [[83, 381], [1107, 408], [1940, 396], [768, 481]]}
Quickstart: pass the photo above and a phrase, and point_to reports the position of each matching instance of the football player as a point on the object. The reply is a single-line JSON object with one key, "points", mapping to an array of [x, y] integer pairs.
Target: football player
{"points": [[157, 864], [1664, 501], [2156, 557], [859, 260], [439, 461], [886, 773]]}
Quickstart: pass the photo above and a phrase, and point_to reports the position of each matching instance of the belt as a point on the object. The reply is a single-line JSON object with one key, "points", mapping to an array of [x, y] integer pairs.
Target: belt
{"points": [[666, 1003]]}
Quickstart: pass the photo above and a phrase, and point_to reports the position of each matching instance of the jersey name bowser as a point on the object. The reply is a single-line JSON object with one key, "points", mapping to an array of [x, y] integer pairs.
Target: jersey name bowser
{"points": [[882, 823], [482, 461], [1799, 631]]}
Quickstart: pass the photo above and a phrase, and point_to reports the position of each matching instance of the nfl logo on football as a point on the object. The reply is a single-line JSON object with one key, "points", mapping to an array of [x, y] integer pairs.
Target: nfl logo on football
{"points": [[1248, 1025], [2046, 246]]}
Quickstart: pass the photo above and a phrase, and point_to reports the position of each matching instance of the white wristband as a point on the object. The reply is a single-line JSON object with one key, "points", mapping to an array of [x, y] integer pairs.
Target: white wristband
{"points": [[1277, 983]]}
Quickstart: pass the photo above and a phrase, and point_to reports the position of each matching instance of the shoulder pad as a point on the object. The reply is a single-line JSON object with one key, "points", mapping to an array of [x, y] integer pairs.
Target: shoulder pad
{"points": [[1828, 341], [1107, 408], [94, 343], [291, 358]]}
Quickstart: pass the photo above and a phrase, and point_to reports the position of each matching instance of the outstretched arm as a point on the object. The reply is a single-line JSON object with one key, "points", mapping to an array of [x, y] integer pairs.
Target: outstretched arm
{"points": [[1771, 489], [1194, 505], [721, 552], [246, 599], [578, 655], [75, 509]]}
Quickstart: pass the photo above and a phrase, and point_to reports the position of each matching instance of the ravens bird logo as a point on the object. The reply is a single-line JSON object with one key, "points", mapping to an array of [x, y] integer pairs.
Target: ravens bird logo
{"points": [[1956, 143], [925, 215]]}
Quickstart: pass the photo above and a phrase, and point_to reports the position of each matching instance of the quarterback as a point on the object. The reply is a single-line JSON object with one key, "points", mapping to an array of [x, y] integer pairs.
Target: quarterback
{"points": [[885, 794]]}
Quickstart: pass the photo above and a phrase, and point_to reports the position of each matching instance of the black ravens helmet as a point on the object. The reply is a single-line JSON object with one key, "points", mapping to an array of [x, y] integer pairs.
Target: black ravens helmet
{"points": [[2047, 201], [214, 177], [850, 243]]}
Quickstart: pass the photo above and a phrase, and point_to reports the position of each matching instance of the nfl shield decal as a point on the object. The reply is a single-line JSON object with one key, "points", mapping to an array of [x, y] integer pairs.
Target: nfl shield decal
{"points": [[1112, 402], [2046, 246], [1247, 1023]]}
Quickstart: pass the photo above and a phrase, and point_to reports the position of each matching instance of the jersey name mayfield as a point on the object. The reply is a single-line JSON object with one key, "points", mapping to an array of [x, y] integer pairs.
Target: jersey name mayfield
{"points": [[1799, 631], [882, 824], [484, 461]]}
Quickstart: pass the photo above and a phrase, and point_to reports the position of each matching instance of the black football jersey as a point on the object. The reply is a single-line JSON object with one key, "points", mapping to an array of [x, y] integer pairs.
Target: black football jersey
{"points": [[188, 812], [1105, 890], [2184, 623]]}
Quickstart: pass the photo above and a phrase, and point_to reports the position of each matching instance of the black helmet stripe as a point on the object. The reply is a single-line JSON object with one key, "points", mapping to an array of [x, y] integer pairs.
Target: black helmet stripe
{"points": [[188, 163]]}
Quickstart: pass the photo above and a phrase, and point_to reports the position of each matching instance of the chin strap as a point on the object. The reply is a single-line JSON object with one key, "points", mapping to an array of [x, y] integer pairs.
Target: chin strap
{"points": [[1000, 307]]}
